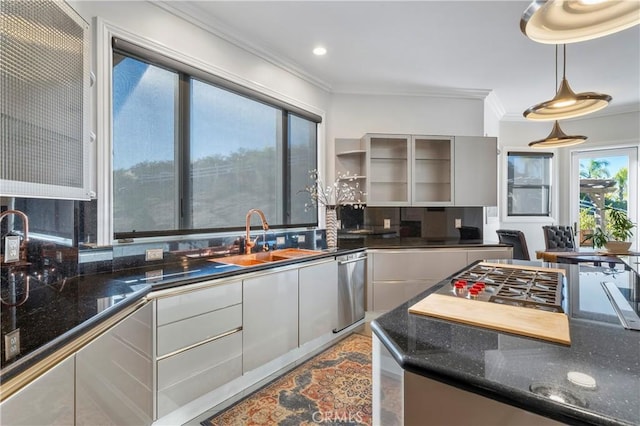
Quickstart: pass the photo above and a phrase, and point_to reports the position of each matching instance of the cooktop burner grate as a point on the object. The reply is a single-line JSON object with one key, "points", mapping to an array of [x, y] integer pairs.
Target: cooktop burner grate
{"points": [[537, 288]]}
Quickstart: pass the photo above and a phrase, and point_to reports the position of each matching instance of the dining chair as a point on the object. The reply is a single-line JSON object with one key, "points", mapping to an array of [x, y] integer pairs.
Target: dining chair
{"points": [[558, 237], [515, 239]]}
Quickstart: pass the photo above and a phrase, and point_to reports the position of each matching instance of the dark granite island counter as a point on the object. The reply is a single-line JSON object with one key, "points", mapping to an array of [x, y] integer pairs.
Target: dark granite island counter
{"points": [[432, 371]]}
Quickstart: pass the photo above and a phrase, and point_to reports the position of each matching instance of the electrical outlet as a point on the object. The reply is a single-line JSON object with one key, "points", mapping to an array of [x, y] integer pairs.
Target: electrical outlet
{"points": [[387, 223], [153, 254], [301, 238], [12, 344], [11, 248], [458, 223], [155, 275]]}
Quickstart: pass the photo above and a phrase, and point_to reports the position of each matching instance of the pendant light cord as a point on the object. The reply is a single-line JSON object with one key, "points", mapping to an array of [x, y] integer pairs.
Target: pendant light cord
{"points": [[555, 89], [564, 61]]}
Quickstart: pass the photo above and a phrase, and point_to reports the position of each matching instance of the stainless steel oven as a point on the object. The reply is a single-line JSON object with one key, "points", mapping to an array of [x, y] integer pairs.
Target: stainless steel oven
{"points": [[351, 284]]}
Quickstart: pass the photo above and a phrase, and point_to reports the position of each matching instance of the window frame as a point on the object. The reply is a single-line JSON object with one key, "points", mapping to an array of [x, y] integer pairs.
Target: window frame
{"points": [[105, 33], [553, 186]]}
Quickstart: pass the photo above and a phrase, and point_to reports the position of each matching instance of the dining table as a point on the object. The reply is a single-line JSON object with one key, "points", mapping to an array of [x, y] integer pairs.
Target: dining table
{"points": [[573, 255]]}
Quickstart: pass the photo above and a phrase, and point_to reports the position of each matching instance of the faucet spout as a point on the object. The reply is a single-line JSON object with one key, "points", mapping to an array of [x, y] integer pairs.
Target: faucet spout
{"points": [[25, 228], [248, 243]]}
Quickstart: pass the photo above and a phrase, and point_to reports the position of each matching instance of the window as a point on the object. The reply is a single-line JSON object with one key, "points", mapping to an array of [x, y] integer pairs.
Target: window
{"points": [[529, 184], [193, 153]]}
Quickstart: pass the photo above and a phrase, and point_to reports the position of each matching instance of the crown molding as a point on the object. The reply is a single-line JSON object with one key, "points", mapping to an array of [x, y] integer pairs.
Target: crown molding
{"points": [[493, 102], [436, 92], [213, 26]]}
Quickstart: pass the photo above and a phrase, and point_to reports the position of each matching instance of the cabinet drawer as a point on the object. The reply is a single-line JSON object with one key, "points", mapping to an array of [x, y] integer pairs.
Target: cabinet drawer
{"points": [[197, 302], [180, 334], [473, 255], [388, 295], [417, 265], [193, 373]]}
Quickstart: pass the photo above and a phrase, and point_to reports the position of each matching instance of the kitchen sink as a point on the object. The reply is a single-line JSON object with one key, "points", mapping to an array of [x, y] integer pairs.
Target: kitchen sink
{"points": [[260, 258]]}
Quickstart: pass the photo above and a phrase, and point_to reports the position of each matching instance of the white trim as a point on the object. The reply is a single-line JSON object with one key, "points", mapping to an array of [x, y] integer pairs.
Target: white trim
{"points": [[493, 103], [555, 181], [103, 132], [436, 92], [626, 147], [104, 33]]}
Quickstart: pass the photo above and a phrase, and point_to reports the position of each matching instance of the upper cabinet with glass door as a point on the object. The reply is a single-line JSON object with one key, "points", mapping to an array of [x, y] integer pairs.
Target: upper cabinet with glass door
{"points": [[388, 168], [432, 170], [417, 170]]}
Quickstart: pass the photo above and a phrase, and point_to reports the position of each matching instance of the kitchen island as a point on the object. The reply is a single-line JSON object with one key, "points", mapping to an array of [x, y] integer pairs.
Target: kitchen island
{"points": [[436, 371]]}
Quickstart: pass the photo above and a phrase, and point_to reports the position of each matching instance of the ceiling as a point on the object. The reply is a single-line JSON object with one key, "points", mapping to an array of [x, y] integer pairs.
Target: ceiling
{"points": [[448, 48]]}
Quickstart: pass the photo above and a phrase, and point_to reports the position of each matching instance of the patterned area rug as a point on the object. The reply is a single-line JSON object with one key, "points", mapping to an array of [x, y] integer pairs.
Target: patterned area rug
{"points": [[334, 387]]}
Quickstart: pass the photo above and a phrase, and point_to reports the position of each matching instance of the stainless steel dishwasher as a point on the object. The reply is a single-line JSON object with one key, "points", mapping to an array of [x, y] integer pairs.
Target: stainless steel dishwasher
{"points": [[351, 282]]}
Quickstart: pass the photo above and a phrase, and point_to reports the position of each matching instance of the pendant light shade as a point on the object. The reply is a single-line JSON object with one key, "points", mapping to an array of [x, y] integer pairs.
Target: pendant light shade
{"points": [[557, 139], [570, 21], [566, 103]]}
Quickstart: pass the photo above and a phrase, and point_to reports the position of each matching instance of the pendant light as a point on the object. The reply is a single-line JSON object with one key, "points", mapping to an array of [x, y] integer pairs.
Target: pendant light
{"points": [[570, 21], [566, 103], [557, 138]]}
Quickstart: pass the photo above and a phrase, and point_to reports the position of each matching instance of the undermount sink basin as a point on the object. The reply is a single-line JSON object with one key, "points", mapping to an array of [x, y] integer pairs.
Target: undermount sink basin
{"points": [[260, 258]]}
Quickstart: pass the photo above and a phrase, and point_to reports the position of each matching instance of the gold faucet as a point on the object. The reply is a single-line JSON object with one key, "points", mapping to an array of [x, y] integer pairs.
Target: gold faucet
{"points": [[25, 226], [248, 245]]}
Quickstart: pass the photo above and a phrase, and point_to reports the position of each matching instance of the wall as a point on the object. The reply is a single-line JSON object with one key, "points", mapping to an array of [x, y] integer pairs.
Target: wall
{"points": [[611, 127], [353, 115]]}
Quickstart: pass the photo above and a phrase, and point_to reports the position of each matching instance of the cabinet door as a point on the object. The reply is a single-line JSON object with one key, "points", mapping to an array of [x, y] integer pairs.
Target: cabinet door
{"points": [[318, 298], [432, 176], [48, 400], [190, 374], [476, 171], [398, 275], [269, 317], [388, 170], [114, 374]]}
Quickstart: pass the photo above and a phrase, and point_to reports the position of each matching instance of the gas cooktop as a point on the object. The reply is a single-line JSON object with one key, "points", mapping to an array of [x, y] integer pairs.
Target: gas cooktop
{"points": [[516, 285]]}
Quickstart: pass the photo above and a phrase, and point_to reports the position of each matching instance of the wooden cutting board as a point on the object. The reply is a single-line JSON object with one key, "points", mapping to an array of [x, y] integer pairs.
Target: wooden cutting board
{"points": [[551, 326]]}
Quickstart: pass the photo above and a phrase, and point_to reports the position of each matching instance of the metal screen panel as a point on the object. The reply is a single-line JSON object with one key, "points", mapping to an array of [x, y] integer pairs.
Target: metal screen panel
{"points": [[44, 72]]}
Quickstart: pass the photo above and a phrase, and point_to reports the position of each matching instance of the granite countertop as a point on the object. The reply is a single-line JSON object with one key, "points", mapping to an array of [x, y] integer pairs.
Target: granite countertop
{"points": [[59, 309], [50, 310], [391, 241], [506, 367]]}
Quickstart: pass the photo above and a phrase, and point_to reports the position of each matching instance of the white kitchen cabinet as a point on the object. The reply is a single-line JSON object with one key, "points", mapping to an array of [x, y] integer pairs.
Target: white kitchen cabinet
{"points": [[432, 170], [423, 170], [388, 164], [269, 318], [114, 374], [48, 400], [198, 341], [190, 374], [398, 275], [476, 171], [318, 300]]}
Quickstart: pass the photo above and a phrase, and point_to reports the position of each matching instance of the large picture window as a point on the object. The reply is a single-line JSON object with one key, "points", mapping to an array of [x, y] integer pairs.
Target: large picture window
{"points": [[193, 153], [529, 184]]}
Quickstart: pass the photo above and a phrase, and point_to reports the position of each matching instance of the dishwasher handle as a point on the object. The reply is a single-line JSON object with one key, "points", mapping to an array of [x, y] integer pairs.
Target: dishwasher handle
{"points": [[357, 259]]}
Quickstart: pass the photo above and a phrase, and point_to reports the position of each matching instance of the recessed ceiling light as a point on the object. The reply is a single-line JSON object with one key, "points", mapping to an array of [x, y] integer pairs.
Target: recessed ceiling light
{"points": [[319, 51]]}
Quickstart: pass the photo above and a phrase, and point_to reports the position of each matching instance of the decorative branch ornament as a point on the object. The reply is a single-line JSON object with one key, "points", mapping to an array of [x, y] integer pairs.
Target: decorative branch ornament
{"points": [[344, 190]]}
